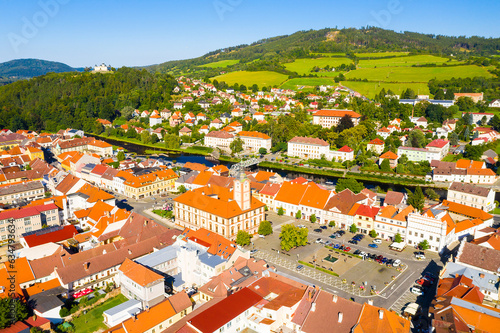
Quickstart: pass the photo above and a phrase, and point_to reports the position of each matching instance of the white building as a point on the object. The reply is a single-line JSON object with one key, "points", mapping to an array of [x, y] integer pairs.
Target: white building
{"points": [[329, 118], [304, 147], [253, 140], [218, 139], [471, 195], [345, 153]]}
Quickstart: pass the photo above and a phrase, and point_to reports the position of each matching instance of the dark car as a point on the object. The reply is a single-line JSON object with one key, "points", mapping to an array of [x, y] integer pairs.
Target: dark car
{"points": [[324, 227], [357, 252], [318, 230], [333, 236], [353, 241], [341, 232]]}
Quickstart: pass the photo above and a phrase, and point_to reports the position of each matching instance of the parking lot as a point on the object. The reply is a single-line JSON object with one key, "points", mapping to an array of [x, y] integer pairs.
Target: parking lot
{"points": [[392, 285]]}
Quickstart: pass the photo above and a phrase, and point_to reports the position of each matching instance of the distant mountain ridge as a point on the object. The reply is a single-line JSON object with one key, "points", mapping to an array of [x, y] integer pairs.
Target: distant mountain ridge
{"points": [[28, 68]]}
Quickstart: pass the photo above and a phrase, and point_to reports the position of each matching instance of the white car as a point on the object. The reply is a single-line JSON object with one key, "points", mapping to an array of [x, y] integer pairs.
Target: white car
{"points": [[262, 236], [319, 241], [420, 256], [301, 226], [377, 241], [396, 263], [416, 291]]}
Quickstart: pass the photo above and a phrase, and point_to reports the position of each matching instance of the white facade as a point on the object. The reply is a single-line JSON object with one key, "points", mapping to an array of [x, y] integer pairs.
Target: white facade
{"points": [[432, 229], [486, 203], [254, 143], [218, 141], [307, 150]]}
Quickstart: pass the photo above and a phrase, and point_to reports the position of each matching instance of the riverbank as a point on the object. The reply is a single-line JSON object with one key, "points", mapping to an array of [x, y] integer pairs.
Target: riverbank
{"points": [[339, 174]]}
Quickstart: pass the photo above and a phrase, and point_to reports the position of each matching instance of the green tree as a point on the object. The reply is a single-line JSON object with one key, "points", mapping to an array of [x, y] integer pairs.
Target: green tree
{"points": [[431, 194], [353, 229], [120, 156], [126, 112], [236, 146], [12, 310], [131, 133], [473, 152], [398, 238], [350, 183], [495, 122], [385, 165], [292, 236], [281, 211], [423, 245], [262, 151], [453, 137], [298, 215], [172, 141], [313, 218], [417, 139], [344, 123], [265, 228], [332, 224], [416, 199], [182, 189], [154, 138], [243, 238], [373, 233]]}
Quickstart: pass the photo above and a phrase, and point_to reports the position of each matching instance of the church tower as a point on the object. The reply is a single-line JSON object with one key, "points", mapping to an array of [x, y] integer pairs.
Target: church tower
{"points": [[242, 194]]}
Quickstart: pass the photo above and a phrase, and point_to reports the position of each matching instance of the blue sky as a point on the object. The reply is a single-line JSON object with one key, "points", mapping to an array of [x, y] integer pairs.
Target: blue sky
{"points": [[133, 33]]}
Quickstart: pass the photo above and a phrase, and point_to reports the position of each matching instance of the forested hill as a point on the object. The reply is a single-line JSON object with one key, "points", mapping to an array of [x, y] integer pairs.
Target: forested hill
{"points": [[27, 68], [306, 43], [58, 101]]}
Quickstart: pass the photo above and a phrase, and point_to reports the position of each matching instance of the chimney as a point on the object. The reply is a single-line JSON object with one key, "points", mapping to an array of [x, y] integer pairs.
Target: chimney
{"points": [[335, 298], [86, 265], [481, 275], [380, 314], [129, 252], [370, 302], [313, 307], [341, 316]]}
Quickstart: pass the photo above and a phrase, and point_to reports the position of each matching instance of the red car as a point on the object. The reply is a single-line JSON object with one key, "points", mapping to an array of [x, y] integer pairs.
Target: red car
{"points": [[347, 249], [423, 282], [82, 293]]}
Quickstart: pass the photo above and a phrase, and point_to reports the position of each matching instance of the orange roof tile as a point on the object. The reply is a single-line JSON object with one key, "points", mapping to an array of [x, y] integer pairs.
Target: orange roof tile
{"points": [[139, 274]]}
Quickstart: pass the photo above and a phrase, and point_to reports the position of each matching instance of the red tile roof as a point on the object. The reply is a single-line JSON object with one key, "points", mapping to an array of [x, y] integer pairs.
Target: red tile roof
{"points": [[40, 237], [336, 113], [346, 149], [226, 310], [376, 141], [438, 143]]}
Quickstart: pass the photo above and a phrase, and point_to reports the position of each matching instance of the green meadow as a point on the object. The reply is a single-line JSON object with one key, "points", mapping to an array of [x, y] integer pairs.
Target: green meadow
{"points": [[405, 61], [370, 89], [304, 66], [221, 64], [307, 83]]}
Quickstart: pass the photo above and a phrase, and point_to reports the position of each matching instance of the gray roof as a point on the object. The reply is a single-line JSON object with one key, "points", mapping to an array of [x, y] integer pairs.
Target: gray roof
{"points": [[490, 153], [17, 188], [46, 300], [470, 189], [452, 269], [127, 306], [158, 257], [211, 260], [177, 280], [475, 307]]}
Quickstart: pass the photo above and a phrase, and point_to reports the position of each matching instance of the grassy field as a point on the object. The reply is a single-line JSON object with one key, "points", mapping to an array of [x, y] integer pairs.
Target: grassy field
{"points": [[221, 64], [304, 66], [262, 78], [308, 83], [417, 74], [370, 89], [405, 61], [380, 54], [93, 320], [328, 54]]}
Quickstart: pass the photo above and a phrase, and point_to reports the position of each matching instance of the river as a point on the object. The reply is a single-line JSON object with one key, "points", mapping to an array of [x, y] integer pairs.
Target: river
{"points": [[172, 156]]}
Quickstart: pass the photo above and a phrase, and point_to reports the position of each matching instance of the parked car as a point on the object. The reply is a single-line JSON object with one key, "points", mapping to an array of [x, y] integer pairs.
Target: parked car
{"points": [[423, 282], [429, 276], [357, 252], [299, 267], [262, 236], [253, 251], [373, 246], [333, 236], [347, 249], [318, 230], [361, 236], [396, 263], [353, 241], [301, 226], [416, 291], [336, 246], [328, 243], [319, 241], [377, 241], [420, 255], [324, 227], [341, 232]]}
